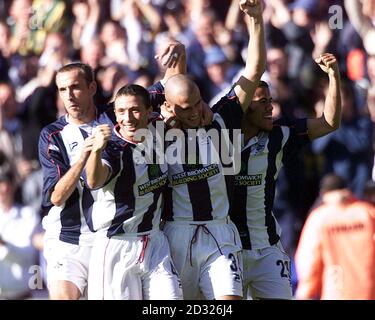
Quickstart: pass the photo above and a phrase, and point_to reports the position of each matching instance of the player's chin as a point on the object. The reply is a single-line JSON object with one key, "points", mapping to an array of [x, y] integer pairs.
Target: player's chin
{"points": [[194, 123], [268, 126]]}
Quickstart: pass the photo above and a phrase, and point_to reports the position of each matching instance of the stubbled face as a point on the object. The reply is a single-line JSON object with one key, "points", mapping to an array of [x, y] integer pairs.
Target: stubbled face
{"points": [[259, 114], [77, 95], [188, 110], [131, 114]]}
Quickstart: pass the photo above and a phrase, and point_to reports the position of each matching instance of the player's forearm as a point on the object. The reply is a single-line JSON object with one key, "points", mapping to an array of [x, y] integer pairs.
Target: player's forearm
{"points": [[96, 172], [255, 63], [175, 50], [67, 184], [150, 14], [180, 68], [256, 57], [232, 16], [332, 105]]}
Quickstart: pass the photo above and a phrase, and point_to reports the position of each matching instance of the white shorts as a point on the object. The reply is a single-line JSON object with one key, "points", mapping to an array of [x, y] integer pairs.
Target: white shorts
{"points": [[267, 273], [207, 255], [133, 268], [66, 261]]}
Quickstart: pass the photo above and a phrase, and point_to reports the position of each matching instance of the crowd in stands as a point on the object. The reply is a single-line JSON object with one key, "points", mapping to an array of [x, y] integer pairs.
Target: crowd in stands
{"points": [[119, 39]]}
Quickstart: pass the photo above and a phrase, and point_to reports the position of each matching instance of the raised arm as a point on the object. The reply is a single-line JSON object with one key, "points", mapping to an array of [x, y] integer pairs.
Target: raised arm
{"points": [[173, 57], [232, 16], [150, 13], [96, 171], [361, 22], [68, 182], [330, 119], [256, 54]]}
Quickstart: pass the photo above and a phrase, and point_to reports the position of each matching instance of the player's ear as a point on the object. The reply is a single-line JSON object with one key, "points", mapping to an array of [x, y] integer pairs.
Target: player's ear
{"points": [[167, 106], [93, 87], [149, 111]]}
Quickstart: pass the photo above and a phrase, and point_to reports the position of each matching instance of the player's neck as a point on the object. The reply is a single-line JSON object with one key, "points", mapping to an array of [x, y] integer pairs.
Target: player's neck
{"points": [[84, 119], [249, 132]]}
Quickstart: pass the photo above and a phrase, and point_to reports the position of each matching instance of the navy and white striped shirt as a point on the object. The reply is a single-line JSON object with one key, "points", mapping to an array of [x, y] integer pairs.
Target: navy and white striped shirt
{"points": [[131, 200], [200, 191], [60, 146], [254, 191]]}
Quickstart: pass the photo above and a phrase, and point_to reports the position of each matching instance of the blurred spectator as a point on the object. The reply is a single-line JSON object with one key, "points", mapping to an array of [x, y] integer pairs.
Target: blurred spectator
{"points": [[220, 72], [176, 22], [361, 15], [54, 55], [17, 253], [296, 26], [86, 17], [5, 51], [348, 151], [335, 258], [112, 78], [47, 17], [93, 54], [141, 22], [9, 109], [19, 20], [114, 37], [286, 91]]}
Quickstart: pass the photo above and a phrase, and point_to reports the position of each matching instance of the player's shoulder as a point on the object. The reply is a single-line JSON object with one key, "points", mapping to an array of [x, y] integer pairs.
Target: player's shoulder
{"points": [[229, 97], [156, 88], [55, 126], [106, 114]]}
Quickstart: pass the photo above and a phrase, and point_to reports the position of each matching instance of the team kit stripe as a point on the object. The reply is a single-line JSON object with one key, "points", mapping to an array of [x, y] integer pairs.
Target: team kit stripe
{"points": [[87, 198], [146, 223], [274, 147], [238, 211], [124, 193], [70, 219]]}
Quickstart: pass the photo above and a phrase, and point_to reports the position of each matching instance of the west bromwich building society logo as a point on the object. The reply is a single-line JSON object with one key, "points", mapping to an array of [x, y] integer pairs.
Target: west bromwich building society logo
{"points": [[157, 180], [195, 173], [247, 180]]}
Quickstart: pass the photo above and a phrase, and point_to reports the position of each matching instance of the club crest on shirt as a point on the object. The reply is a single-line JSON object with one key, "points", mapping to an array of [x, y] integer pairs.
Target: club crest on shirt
{"points": [[259, 146], [153, 171]]}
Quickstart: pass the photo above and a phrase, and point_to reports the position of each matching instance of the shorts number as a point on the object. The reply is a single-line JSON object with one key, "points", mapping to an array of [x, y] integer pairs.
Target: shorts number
{"points": [[285, 268], [233, 265]]}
